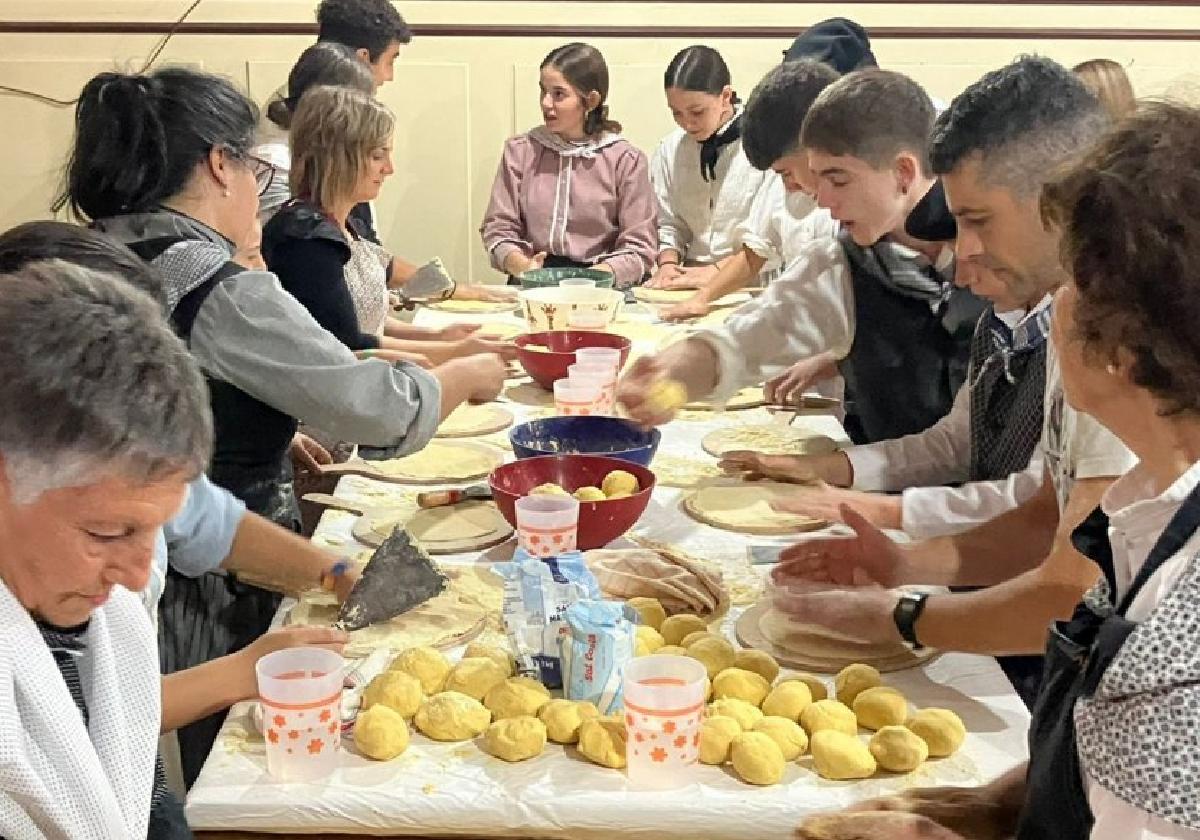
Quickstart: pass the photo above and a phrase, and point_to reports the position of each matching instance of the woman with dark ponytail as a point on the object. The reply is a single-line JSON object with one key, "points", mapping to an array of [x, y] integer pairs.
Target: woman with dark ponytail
{"points": [[572, 191]]}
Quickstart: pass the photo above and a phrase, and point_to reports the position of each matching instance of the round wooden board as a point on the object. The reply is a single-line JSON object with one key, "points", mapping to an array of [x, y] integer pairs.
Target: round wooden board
{"points": [[437, 451], [473, 307], [743, 399], [731, 490], [750, 634], [480, 523], [473, 420], [768, 439]]}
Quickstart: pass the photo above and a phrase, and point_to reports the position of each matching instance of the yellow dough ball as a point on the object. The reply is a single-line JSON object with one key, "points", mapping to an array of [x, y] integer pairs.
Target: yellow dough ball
{"points": [[515, 739], [757, 758], [671, 650], [516, 697], [740, 685], [853, 680], [898, 749], [475, 677], [380, 733], [602, 741], [839, 756], [786, 734], [716, 737], [548, 490], [758, 661], [665, 396], [715, 654], [741, 711], [941, 729], [452, 716], [426, 664], [650, 611], [619, 482], [564, 717], [397, 690], [691, 638], [880, 706], [589, 494], [675, 628], [621, 495], [829, 714], [479, 650], [650, 637], [787, 700], [816, 685]]}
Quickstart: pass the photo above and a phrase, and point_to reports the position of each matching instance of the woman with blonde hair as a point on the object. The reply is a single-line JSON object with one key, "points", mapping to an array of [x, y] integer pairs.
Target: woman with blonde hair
{"points": [[1109, 83]]}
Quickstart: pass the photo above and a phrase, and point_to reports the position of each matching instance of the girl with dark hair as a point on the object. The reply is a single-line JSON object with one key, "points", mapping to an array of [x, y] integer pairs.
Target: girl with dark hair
{"points": [[572, 191], [704, 183]]}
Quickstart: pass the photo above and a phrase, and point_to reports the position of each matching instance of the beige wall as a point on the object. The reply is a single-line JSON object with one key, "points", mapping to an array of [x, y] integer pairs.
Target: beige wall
{"points": [[459, 97]]}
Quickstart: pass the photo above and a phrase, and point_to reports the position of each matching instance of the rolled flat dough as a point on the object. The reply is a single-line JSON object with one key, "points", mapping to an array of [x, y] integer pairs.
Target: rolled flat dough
{"points": [[469, 420], [466, 526], [444, 461], [679, 295], [473, 306], [745, 398], [529, 393], [746, 507], [673, 471], [769, 440]]}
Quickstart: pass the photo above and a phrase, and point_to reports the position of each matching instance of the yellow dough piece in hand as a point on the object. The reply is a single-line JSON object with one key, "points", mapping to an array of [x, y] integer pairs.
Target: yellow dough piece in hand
{"points": [[816, 686], [675, 628], [516, 739], [786, 734], [397, 690], [649, 637], [898, 749], [619, 483], [757, 758], [548, 490], [666, 396], [516, 697], [740, 685], [380, 733], [829, 714], [563, 718], [480, 650], [839, 756], [589, 494], [741, 711], [426, 664], [716, 737], [650, 611], [714, 653], [475, 677], [880, 706], [853, 680], [602, 741], [758, 661], [941, 729], [452, 716], [788, 700]]}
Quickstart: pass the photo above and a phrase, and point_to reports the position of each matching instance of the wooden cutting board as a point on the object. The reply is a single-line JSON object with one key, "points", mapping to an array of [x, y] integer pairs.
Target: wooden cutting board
{"points": [[452, 529]]}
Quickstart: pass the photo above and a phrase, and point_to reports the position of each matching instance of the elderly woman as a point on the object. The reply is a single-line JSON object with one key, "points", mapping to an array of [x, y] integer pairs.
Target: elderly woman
{"points": [[1111, 744]]}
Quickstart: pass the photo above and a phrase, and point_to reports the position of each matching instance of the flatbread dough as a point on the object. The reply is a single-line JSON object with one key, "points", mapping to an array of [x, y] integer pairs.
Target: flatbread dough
{"points": [[469, 420], [466, 526], [769, 440], [746, 507], [746, 398], [680, 295], [673, 471], [444, 461], [473, 306], [530, 394]]}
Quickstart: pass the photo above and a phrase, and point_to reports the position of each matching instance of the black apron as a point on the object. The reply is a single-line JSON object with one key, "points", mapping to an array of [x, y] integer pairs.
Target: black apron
{"points": [[1078, 652]]}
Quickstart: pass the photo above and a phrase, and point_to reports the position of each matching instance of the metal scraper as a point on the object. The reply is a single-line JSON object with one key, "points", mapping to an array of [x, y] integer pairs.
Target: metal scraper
{"points": [[398, 577]]}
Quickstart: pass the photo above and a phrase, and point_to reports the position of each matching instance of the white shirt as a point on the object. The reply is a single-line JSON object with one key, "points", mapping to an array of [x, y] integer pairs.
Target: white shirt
{"points": [[781, 223]]}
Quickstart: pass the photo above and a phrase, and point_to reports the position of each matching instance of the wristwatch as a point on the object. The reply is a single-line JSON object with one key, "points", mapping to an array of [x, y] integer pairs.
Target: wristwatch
{"points": [[908, 610]]}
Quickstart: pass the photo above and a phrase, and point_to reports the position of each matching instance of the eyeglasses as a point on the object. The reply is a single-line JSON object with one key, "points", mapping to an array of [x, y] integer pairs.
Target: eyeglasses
{"points": [[264, 172]]}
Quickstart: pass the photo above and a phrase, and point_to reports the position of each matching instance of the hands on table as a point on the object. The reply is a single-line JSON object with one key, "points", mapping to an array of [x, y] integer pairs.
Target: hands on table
{"points": [[307, 454], [694, 307], [674, 276], [635, 388], [789, 386], [295, 635]]}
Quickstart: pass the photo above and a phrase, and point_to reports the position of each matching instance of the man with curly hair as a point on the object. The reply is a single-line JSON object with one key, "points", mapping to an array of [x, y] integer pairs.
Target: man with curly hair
{"points": [[373, 28]]}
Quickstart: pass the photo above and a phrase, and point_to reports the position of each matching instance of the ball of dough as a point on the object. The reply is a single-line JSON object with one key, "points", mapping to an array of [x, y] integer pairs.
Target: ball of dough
{"points": [[515, 739], [786, 734], [589, 494], [741, 711], [548, 490], [741, 685], [758, 661], [839, 756], [677, 626], [716, 737], [757, 758], [650, 611], [479, 650], [880, 706], [665, 396], [619, 482], [602, 741], [691, 638], [898, 749], [941, 729], [650, 637], [516, 697], [397, 690], [829, 714], [672, 650], [715, 654], [563, 718], [788, 700], [426, 664], [853, 680], [452, 716], [380, 733], [475, 677], [816, 685], [614, 496]]}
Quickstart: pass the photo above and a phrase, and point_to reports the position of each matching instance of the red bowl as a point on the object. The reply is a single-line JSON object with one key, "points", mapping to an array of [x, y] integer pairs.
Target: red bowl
{"points": [[547, 367], [599, 522]]}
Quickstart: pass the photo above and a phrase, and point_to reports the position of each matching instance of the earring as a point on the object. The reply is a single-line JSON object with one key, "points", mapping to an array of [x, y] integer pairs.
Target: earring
{"points": [[225, 193], [1112, 369]]}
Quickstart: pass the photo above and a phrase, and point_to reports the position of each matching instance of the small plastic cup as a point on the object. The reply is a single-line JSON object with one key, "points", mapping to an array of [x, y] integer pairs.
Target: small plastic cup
{"points": [[664, 707], [574, 397], [585, 282], [300, 690], [587, 319], [609, 356], [603, 377], [547, 525]]}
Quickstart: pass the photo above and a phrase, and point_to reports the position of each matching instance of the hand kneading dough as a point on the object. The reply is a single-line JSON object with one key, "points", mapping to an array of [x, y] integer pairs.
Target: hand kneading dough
{"points": [[788, 700], [516, 697], [548, 490], [564, 717], [880, 706], [397, 690], [675, 628], [757, 758], [475, 677], [816, 686], [650, 637], [716, 737], [516, 739], [479, 650], [786, 734], [941, 729], [898, 749], [589, 494], [452, 716], [650, 611], [741, 685], [691, 638], [426, 664], [602, 741], [853, 680], [829, 714], [839, 756], [666, 395], [619, 483], [715, 654], [758, 661], [741, 711], [380, 733]]}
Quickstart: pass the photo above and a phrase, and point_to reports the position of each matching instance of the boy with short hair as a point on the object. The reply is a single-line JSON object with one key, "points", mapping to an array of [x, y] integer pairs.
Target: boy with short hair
{"points": [[372, 27]]}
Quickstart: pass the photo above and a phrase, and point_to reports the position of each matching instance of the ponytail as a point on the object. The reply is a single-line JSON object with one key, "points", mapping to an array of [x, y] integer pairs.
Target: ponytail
{"points": [[597, 121]]}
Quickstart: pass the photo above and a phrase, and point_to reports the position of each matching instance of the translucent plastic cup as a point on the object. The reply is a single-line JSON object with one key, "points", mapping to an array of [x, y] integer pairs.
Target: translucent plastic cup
{"points": [[603, 377], [300, 690], [574, 397], [547, 525], [578, 282], [609, 356], [664, 707]]}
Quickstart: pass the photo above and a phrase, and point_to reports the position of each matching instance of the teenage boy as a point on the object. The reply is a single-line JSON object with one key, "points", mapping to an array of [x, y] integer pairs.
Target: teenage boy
{"points": [[371, 27]]}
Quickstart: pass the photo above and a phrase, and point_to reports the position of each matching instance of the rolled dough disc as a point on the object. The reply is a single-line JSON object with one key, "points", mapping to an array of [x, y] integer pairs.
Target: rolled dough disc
{"points": [[673, 471], [745, 507], [453, 529], [530, 394], [469, 420], [473, 306], [444, 461], [646, 295], [768, 440], [745, 398]]}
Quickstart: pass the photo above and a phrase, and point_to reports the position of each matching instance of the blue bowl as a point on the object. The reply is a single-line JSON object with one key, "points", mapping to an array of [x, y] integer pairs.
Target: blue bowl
{"points": [[611, 436]]}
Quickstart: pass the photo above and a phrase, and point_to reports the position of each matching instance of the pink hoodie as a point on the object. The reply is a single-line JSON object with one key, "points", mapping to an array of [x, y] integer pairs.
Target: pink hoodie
{"points": [[590, 203]]}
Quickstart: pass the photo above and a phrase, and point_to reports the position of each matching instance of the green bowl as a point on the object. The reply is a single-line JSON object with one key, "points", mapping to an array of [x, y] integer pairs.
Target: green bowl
{"points": [[542, 278]]}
